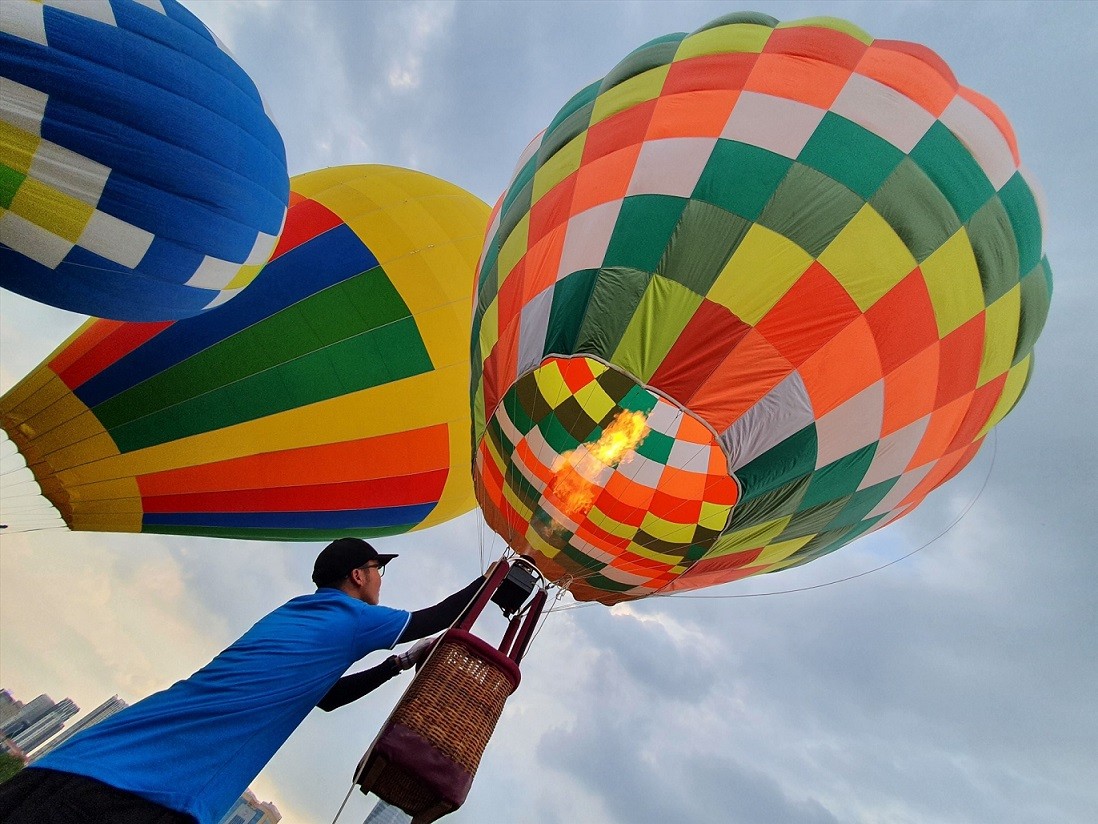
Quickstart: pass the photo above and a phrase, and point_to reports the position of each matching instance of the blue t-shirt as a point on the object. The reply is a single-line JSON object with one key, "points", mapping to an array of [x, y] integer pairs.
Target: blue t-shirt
{"points": [[197, 745]]}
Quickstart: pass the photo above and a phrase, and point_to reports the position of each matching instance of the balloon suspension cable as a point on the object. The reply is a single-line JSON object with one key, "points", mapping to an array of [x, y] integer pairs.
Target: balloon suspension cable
{"points": [[942, 534], [480, 539], [561, 585], [964, 512], [346, 798], [10, 529]]}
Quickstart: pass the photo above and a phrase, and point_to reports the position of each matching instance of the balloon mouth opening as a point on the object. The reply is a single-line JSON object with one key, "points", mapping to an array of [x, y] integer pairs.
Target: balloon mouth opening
{"points": [[604, 480]]}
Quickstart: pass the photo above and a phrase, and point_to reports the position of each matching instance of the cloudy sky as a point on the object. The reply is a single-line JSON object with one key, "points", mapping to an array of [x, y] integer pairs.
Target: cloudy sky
{"points": [[957, 685]]}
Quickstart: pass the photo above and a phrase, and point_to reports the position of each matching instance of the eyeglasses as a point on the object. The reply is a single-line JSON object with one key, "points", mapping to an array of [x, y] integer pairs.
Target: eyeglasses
{"points": [[379, 567]]}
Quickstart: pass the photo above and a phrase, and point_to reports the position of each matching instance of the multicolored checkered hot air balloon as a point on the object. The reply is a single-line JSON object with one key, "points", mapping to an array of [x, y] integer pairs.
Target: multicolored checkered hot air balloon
{"points": [[753, 294], [328, 399], [141, 178]]}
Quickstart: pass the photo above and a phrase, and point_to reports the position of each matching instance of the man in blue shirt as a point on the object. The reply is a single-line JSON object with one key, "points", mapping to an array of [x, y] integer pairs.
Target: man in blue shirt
{"points": [[187, 753]]}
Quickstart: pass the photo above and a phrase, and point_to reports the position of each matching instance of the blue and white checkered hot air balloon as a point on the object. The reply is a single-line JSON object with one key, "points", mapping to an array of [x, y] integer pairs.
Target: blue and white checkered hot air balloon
{"points": [[140, 176]]}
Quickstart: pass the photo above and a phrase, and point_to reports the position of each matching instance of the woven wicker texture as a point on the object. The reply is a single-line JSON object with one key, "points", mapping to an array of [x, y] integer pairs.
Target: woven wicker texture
{"points": [[400, 788], [455, 702]]}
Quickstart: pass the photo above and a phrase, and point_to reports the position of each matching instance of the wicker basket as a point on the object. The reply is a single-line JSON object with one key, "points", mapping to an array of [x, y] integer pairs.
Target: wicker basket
{"points": [[424, 759]]}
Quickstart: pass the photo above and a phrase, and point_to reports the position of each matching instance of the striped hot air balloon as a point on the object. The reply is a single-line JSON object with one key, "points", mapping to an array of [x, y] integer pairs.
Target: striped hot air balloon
{"points": [[753, 294], [328, 399]]}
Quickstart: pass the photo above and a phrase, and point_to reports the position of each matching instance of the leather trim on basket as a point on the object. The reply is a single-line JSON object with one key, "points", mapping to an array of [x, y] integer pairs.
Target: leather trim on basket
{"points": [[406, 748]]}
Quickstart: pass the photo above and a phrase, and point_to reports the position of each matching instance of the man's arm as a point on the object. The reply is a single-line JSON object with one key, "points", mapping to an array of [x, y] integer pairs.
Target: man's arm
{"points": [[442, 615], [352, 687], [422, 623]]}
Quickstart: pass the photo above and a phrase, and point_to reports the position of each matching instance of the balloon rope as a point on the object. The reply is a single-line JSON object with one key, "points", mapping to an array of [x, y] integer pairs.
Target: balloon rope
{"points": [[957, 520], [943, 533], [346, 798], [10, 530], [541, 626]]}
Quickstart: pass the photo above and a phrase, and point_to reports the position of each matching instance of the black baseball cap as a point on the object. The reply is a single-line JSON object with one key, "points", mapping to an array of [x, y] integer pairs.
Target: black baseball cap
{"points": [[335, 561]]}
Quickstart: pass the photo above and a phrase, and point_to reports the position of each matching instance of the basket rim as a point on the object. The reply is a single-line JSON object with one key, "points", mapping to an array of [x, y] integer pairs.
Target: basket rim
{"points": [[485, 651]]}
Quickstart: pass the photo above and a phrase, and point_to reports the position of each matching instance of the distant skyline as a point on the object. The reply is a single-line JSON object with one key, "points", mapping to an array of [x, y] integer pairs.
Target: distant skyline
{"points": [[263, 812], [37, 721], [93, 716]]}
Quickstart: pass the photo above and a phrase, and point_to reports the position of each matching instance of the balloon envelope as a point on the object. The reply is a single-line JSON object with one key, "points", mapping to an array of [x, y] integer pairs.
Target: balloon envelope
{"points": [[753, 294], [140, 177], [327, 399]]}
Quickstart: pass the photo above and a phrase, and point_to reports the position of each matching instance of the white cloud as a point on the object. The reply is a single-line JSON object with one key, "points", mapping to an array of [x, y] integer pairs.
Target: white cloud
{"points": [[422, 23], [122, 614]]}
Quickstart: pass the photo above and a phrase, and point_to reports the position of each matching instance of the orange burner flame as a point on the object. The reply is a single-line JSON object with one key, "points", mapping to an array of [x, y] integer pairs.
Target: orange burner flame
{"points": [[575, 482]]}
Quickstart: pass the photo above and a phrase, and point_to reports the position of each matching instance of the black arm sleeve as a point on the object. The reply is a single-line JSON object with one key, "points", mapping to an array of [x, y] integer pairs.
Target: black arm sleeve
{"points": [[352, 687], [423, 622], [434, 619]]}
